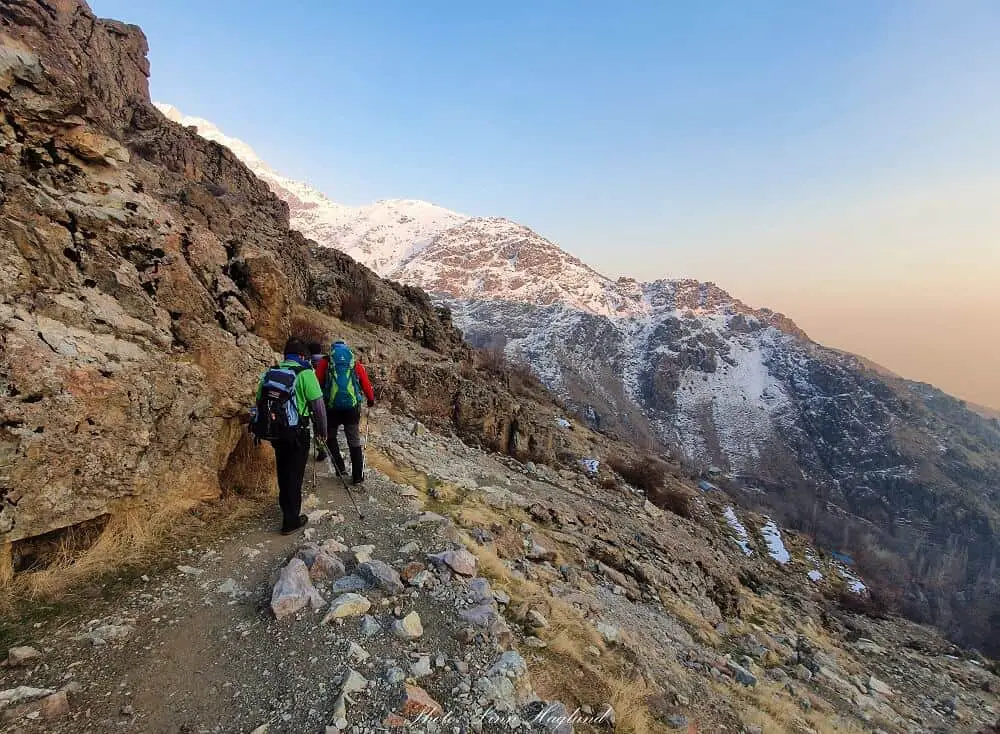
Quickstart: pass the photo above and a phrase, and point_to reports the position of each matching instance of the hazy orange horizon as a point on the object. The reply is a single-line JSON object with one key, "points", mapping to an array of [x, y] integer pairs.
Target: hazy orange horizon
{"points": [[951, 345]]}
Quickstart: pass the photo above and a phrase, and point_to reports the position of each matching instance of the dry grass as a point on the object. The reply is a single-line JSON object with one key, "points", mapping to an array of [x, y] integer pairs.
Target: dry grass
{"points": [[693, 620], [628, 698], [137, 531], [249, 472]]}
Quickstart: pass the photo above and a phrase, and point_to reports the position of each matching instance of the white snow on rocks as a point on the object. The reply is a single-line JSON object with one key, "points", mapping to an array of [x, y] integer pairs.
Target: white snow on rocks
{"points": [[815, 576], [379, 235], [775, 546], [742, 537], [854, 584]]}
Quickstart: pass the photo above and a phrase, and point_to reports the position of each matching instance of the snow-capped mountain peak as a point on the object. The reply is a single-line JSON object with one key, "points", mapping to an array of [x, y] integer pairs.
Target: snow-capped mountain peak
{"points": [[380, 234]]}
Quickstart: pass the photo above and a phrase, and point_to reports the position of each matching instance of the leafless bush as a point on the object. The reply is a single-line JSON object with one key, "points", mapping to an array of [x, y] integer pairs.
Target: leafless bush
{"points": [[642, 472], [492, 361], [354, 307], [674, 498], [873, 604]]}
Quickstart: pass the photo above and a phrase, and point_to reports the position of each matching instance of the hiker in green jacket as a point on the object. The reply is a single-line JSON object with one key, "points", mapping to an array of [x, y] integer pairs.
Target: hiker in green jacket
{"points": [[288, 397]]}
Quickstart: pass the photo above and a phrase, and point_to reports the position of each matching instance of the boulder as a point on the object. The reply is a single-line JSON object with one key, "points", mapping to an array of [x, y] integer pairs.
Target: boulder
{"points": [[294, 590], [460, 561]]}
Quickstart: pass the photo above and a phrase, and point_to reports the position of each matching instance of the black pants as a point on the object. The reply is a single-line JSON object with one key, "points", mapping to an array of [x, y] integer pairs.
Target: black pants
{"points": [[291, 458], [350, 419]]}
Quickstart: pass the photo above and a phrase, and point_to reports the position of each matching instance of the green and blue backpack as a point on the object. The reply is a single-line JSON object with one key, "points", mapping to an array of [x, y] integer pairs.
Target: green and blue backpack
{"points": [[342, 388]]}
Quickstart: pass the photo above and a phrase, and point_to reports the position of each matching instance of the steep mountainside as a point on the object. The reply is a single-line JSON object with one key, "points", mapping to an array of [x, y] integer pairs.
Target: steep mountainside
{"points": [[146, 277], [895, 473]]}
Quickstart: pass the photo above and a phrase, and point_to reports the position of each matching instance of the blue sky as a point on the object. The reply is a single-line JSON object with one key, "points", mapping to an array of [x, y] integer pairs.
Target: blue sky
{"points": [[780, 149]]}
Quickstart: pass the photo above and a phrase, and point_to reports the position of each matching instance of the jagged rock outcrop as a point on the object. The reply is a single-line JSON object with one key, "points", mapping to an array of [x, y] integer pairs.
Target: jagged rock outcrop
{"points": [[146, 273], [146, 276]]}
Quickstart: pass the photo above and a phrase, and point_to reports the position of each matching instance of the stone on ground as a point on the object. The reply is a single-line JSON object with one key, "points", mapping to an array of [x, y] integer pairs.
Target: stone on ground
{"points": [[23, 655], [416, 702], [55, 706], [333, 547], [608, 631], [409, 627], [356, 653], [460, 561], [322, 565], [880, 687], [554, 718], [410, 571], [480, 615], [353, 682], [349, 583], [381, 575], [370, 626], [362, 553], [347, 605], [422, 667], [22, 693], [294, 590], [481, 591]]}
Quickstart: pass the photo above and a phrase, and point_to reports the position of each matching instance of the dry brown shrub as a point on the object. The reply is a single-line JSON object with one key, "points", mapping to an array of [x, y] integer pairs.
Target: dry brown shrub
{"points": [[354, 307], [675, 498], [491, 361], [642, 472], [308, 330]]}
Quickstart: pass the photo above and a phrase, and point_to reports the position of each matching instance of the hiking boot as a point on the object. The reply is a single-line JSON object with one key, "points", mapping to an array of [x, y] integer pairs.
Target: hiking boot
{"points": [[320, 456], [338, 465], [357, 465], [286, 530]]}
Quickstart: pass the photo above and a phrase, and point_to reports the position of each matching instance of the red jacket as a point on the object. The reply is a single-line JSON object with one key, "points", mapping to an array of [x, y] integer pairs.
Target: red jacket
{"points": [[366, 385], [320, 365]]}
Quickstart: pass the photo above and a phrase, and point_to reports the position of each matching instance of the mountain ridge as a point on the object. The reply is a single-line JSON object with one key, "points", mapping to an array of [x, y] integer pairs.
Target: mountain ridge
{"points": [[895, 472]]}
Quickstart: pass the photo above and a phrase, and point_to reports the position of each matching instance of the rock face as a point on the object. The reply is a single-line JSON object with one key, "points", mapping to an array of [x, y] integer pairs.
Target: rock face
{"points": [[146, 275]]}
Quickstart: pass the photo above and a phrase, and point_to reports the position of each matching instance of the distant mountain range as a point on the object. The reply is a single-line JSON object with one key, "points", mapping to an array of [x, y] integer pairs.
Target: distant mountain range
{"points": [[898, 473]]}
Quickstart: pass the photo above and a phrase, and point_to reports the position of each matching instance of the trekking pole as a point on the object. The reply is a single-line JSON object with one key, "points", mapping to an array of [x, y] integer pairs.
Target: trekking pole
{"points": [[343, 478]]}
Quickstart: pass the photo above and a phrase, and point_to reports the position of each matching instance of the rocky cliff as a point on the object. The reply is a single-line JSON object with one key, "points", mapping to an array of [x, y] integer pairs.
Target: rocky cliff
{"points": [[146, 277]]}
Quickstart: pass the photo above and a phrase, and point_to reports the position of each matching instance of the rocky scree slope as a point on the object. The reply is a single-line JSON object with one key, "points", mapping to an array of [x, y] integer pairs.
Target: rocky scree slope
{"points": [[893, 472], [479, 592], [146, 277]]}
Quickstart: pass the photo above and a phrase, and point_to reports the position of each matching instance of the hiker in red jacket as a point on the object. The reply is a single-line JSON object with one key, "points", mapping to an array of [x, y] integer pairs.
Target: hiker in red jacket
{"points": [[346, 382], [320, 364]]}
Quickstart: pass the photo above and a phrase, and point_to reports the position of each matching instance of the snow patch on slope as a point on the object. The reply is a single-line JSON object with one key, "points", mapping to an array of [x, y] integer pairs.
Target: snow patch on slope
{"points": [[736, 405], [742, 536], [775, 546]]}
